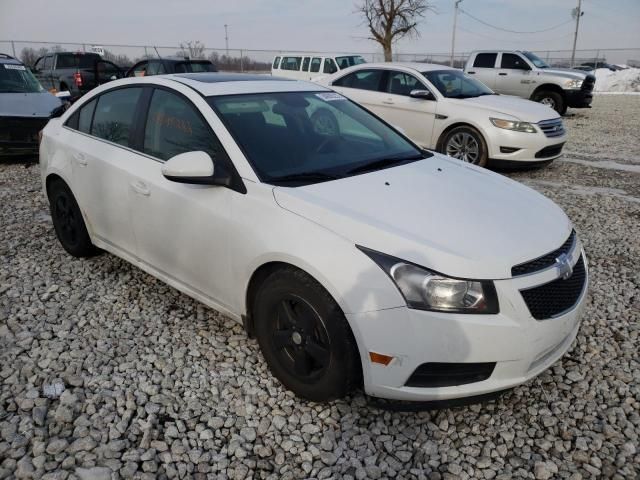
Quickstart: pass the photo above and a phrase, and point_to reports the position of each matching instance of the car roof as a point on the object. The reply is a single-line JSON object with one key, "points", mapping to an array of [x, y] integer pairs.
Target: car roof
{"points": [[215, 83], [417, 66], [8, 59]]}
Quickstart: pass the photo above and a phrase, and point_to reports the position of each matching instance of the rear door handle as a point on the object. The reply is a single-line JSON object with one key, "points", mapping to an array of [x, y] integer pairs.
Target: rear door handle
{"points": [[502, 73], [141, 188], [471, 73], [80, 160]]}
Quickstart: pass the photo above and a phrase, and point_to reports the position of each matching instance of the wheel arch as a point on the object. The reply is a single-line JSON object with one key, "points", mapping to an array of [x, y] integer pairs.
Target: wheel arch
{"points": [[457, 124], [547, 86]]}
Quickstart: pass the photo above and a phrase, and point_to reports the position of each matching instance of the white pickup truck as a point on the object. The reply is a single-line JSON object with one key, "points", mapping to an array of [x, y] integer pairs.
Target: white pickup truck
{"points": [[523, 74]]}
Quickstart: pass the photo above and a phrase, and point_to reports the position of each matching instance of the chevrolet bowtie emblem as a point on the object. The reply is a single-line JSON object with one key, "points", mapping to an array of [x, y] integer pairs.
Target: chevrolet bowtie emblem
{"points": [[563, 263]]}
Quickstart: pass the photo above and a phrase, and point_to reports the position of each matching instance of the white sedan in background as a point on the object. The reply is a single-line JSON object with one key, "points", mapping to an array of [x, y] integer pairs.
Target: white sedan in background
{"points": [[354, 257], [443, 109]]}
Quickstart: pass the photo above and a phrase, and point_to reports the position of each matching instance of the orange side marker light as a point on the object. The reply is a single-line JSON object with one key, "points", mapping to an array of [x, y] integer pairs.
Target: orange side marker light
{"points": [[380, 358]]}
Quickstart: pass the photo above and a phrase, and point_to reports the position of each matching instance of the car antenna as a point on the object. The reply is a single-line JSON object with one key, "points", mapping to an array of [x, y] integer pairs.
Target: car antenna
{"points": [[166, 70]]}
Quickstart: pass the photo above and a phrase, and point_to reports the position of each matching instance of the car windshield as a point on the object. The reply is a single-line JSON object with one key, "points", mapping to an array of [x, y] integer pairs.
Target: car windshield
{"points": [[537, 61], [349, 61], [455, 84], [17, 79], [299, 138], [194, 67]]}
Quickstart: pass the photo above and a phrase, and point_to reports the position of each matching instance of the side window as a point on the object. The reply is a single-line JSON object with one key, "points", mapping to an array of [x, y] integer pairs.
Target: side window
{"points": [[291, 63], [315, 64], [329, 66], [362, 79], [86, 115], [276, 62], [139, 70], [39, 64], [400, 83], [155, 68], [513, 62], [305, 64], [485, 60], [175, 126], [113, 118], [48, 62]]}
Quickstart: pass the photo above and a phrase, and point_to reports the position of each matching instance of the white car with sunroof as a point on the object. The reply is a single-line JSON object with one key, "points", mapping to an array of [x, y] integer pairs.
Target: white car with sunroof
{"points": [[353, 256], [444, 109]]}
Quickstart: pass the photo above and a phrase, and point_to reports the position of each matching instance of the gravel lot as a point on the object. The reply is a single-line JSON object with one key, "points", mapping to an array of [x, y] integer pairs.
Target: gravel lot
{"points": [[157, 386]]}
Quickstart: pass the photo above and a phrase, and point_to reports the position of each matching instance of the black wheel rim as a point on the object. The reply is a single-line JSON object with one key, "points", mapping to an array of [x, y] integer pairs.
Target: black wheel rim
{"points": [[66, 220], [300, 339]]}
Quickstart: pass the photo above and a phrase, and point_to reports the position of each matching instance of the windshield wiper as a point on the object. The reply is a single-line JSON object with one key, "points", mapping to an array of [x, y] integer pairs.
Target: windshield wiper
{"points": [[383, 163], [303, 177]]}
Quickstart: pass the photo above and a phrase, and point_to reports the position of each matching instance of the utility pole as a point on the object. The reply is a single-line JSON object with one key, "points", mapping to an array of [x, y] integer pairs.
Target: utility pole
{"points": [[453, 35], [578, 13], [226, 38]]}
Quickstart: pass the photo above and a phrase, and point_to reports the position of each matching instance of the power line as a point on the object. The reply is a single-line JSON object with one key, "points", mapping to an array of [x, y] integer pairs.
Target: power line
{"points": [[561, 37], [514, 31]]}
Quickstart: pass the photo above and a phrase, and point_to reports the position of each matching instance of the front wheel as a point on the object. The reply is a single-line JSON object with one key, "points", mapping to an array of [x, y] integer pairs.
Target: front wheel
{"points": [[466, 144], [551, 99], [305, 337]]}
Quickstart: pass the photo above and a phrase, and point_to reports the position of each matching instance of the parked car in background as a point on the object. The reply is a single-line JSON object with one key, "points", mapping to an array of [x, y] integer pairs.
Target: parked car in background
{"points": [[25, 108], [308, 67], [441, 108], [161, 66], [74, 72], [594, 65], [525, 75], [354, 256]]}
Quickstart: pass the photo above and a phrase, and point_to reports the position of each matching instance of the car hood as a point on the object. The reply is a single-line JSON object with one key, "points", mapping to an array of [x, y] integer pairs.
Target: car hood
{"points": [[524, 110], [570, 73], [451, 217], [38, 104]]}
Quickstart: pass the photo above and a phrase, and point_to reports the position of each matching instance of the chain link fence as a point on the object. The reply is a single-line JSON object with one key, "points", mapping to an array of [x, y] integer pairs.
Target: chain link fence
{"points": [[245, 60]]}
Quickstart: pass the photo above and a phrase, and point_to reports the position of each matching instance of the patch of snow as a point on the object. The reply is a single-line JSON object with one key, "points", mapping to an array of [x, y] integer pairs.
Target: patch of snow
{"points": [[584, 190], [608, 164], [619, 81]]}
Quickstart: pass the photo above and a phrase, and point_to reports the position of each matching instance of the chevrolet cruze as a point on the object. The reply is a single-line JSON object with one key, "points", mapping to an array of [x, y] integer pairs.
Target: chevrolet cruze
{"points": [[353, 256]]}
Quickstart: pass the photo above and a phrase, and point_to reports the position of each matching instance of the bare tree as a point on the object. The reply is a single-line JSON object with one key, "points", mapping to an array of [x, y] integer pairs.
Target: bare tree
{"points": [[194, 50], [391, 20]]}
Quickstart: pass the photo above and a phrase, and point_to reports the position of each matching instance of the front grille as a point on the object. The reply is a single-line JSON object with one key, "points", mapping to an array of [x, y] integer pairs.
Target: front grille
{"points": [[588, 83], [550, 151], [552, 128], [556, 297], [21, 129], [435, 375], [544, 261]]}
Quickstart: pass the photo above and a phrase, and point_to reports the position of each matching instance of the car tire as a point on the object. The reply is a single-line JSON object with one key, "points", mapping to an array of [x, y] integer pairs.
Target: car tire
{"points": [[467, 144], [68, 222], [551, 99], [304, 336]]}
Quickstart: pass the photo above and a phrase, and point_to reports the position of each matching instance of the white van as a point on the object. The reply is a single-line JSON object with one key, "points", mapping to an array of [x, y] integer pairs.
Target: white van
{"points": [[306, 67]]}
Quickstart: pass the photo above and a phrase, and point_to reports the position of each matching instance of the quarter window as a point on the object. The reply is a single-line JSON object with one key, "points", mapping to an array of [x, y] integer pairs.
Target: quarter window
{"points": [[485, 60], [362, 79], [330, 66], [400, 83], [113, 118], [513, 62], [174, 126], [305, 64], [315, 64]]}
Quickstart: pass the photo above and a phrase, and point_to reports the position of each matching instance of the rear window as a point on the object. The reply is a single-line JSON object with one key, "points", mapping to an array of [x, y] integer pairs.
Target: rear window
{"points": [[76, 61], [485, 60]]}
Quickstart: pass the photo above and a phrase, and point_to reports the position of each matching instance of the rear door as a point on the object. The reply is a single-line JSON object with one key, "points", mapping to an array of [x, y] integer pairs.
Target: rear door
{"points": [[102, 160], [514, 75], [484, 68]]}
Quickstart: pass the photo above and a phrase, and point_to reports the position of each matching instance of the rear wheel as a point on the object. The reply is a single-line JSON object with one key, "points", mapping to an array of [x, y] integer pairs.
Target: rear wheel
{"points": [[305, 337], [551, 99], [466, 143], [68, 222]]}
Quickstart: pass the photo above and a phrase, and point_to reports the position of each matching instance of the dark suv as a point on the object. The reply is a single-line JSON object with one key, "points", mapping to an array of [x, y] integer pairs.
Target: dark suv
{"points": [[160, 66], [75, 72], [25, 108]]}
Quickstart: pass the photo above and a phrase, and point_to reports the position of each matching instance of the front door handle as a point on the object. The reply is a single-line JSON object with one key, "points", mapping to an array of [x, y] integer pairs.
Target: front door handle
{"points": [[79, 159], [502, 73], [471, 73], [141, 188], [387, 102]]}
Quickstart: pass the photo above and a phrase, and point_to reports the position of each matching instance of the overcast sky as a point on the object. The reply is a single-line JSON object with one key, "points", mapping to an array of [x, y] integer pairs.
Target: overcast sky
{"points": [[320, 25]]}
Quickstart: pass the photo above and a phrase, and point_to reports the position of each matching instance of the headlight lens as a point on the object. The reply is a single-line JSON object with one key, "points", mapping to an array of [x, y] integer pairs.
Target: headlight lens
{"points": [[424, 289], [513, 125], [573, 84]]}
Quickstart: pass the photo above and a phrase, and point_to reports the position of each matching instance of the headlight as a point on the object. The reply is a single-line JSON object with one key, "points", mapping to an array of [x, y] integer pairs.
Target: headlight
{"points": [[424, 289], [573, 84], [513, 125]]}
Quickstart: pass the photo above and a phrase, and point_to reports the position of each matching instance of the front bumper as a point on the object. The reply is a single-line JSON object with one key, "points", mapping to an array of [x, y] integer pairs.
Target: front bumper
{"points": [[579, 98], [528, 146], [520, 346], [19, 135]]}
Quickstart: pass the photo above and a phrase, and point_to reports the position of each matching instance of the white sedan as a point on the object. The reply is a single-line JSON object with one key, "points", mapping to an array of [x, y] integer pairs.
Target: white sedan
{"points": [[443, 109], [354, 257]]}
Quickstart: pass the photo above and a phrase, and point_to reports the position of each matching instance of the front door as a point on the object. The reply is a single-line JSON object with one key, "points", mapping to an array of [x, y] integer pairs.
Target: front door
{"points": [[514, 76]]}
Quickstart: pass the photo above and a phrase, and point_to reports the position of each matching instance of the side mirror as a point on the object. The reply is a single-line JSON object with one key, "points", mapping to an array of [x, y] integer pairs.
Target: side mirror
{"points": [[422, 94], [191, 167]]}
